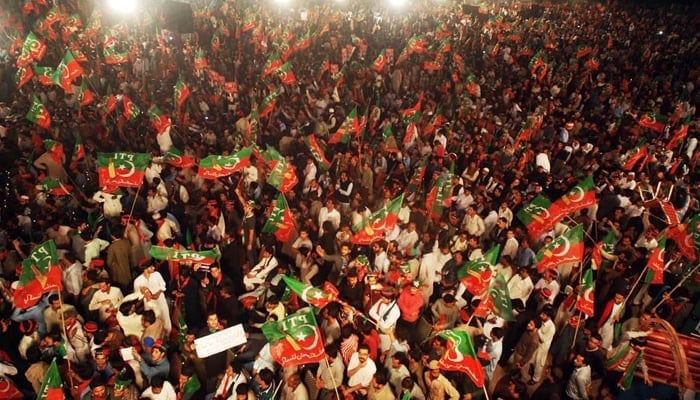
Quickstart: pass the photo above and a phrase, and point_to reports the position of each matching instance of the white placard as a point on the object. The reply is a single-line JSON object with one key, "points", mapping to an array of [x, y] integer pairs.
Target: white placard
{"points": [[220, 341], [127, 353]]}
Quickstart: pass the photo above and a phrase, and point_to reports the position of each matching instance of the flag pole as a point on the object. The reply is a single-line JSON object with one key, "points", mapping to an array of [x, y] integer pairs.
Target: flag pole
{"points": [[486, 392], [578, 325], [335, 385], [65, 334], [635, 284], [685, 277], [133, 204]]}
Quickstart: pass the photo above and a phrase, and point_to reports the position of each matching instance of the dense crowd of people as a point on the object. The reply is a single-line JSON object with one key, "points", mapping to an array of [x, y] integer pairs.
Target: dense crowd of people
{"points": [[497, 103]]}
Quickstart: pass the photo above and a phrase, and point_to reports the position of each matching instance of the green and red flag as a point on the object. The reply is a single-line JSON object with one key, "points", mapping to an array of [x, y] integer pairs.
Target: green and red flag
{"points": [[200, 60], [79, 149], [592, 64], [460, 355], [380, 222], [286, 75], [380, 62], [109, 104], [55, 187], [38, 114], [52, 385], [114, 57], [472, 85], [159, 121], [85, 95], [34, 46], [476, 275], [343, 134], [282, 176], [537, 216], [175, 158], [435, 122], [439, 197], [181, 92], [268, 103], [413, 114], [8, 390], [40, 274], [678, 135], [565, 248], [579, 197], [634, 155], [121, 169], [280, 222], [43, 74], [67, 71], [684, 240], [295, 340], [316, 297], [433, 65], [656, 264], [23, 76], [583, 50], [182, 255], [217, 166], [586, 297], [317, 153], [415, 185], [602, 249], [131, 110], [496, 300], [273, 63], [655, 122]]}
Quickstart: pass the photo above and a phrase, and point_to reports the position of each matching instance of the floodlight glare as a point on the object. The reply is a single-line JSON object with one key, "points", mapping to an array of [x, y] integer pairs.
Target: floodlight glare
{"points": [[122, 6], [398, 3]]}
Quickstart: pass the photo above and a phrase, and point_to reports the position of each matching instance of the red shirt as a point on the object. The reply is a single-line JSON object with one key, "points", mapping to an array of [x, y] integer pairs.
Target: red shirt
{"points": [[410, 305]]}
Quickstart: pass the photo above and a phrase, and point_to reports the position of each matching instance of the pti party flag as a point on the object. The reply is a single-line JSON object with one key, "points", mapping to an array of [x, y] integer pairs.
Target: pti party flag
{"points": [[415, 185], [602, 249], [122, 169], [461, 356], [316, 297], [379, 62], [280, 222], [684, 240], [286, 75], [85, 96], [55, 187], [40, 274], [67, 71], [579, 197], [656, 264], [175, 158], [585, 301], [159, 121], [273, 63], [566, 248], [282, 176], [343, 134], [52, 386], [537, 216], [131, 110], [23, 75], [476, 275], [114, 57], [439, 197], [678, 135], [200, 60], [79, 149], [496, 300], [295, 340], [38, 114], [8, 390], [316, 152], [43, 74], [182, 255], [636, 154], [412, 114], [181, 92], [216, 166], [653, 121], [34, 46], [268, 103], [381, 221]]}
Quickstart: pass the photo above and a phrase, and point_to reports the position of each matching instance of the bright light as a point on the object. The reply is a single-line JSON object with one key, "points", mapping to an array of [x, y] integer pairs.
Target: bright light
{"points": [[122, 6], [398, 3], [282, 2]]}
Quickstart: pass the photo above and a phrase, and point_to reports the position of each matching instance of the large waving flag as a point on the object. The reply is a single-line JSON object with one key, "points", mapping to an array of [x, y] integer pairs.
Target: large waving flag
{"points": [[317, 153], [282, 176], [537, 216], [566, 248], [176, 158], [295, 340], [52, 385], [40, 274], [461, 356], [182, 255], [381, 221], [586, 296], [38, 114], [579, 197], [656, 264], [280, 222], [684, 240], [67, 71], [476, 275], [602, 249], [318, 298], [636, 154], [122, 169], [496, 300], [216, 166]]}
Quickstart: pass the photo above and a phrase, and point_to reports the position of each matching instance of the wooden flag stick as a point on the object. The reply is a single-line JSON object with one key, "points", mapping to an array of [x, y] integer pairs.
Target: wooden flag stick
{"points": [[65, 335], [133, 204], [335, 384], [685, 277]]}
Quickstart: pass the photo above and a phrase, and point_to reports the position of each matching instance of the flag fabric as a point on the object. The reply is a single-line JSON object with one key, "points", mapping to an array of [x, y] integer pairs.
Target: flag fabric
{"points": [[273, 63], [23, 75], [8, 390], [461, 356], [175, 158], [586, 297], [537, 216], [282, 176], [159, 121], [44, 75], [579, 197], [381, 221], [114, 57], [343, 134], [439, 197], [565, 248], [476, 275], [602, 248], [55, 187], [131, 110], [316, 297], [182, 255], [583, 50], [416, 183], [40, 274], [85, 95], [286, 75], [496, 300], [181, 92], [639, 152], [34, 46], [122, 169], [268, 104], [656, 264], [216, 166], [316, 152], [412, 114], [653, 121], [678, 136], [280, 222], [380, 62], [200, 60], [52, 385], [79, 149], [684, 240], [38, 114], [295, 340], [67, 71]]}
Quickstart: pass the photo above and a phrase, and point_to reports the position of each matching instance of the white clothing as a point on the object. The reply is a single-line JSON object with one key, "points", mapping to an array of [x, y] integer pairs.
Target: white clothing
{"points": [[111, 205], [168, 393], [364, 375], [520, 288], [325, 215], [72, 278], [259, 272], [155, 283], [93, 249], [114, 296]]}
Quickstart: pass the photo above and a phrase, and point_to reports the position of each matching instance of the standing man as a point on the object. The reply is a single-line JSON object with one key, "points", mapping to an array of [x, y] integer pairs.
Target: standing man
{"points": [[546, 335], [580, 380], [360, 372], [106, 299], [439, 387]]}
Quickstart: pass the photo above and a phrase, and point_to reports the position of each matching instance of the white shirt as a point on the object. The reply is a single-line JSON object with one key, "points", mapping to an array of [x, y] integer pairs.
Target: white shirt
{"points": [[153, 283], [111, 204], [168, 393], [386, 314], [114, 296], [72, 278], [381, 262], [520, 288], [325, 215], [93, 249], [365, 374], [407, 240]]}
